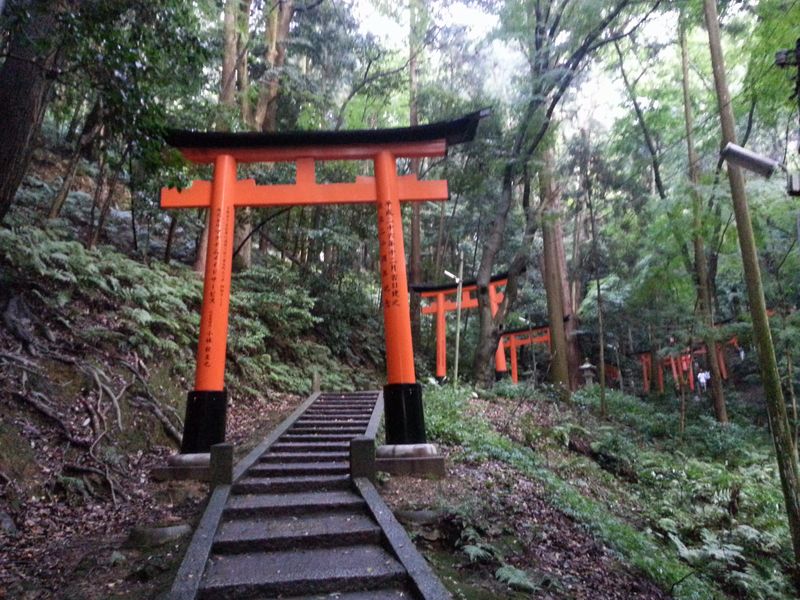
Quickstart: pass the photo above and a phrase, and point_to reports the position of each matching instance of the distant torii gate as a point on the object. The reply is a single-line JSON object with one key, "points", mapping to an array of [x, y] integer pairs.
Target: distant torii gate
{"points": [[443, 299], [681, 366], [513, 340], [206, 407]]}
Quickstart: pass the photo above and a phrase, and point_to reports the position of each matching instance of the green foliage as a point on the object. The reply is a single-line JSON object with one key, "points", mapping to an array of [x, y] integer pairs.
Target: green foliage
{"points": [[713, 493], [450, 422], [477, 552], [157, 309], [153, 310], [711, 497], [515, 578]]}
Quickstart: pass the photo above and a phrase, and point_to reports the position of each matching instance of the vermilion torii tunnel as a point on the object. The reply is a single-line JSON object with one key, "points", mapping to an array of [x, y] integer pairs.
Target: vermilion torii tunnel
{"points": [[206, 407]]}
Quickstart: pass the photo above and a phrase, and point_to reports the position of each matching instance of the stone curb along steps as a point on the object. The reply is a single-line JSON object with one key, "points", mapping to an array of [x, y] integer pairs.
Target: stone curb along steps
{"points": [[294, 524]]}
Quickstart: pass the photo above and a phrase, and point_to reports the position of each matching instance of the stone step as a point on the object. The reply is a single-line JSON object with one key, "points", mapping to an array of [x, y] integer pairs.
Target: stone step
{"points": [[332, 423], [323, 430], [303, 468], [289, 457], [395, 593], [338, 413], [314, 446], [345, 402], [318, 571], [365, 411], [307, 483], [333, 418], [292, 503], [310, 531], [369, 405], [346, 395], [321, 437]]}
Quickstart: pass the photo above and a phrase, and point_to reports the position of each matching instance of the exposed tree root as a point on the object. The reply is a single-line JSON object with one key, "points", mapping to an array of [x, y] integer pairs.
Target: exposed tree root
{"points": [[42, 404], [151, 403]]}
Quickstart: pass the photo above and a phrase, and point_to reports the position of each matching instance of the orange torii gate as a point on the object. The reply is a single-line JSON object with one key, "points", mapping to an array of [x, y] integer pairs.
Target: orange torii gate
{"points": [[441, 303], [206, 408], [681, 366], [513, 340]]}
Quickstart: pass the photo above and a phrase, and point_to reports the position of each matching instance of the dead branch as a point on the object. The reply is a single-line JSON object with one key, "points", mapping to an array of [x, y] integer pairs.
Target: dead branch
{"points": [[140, 366], [104, 474], [75, 468], [67, 360]]}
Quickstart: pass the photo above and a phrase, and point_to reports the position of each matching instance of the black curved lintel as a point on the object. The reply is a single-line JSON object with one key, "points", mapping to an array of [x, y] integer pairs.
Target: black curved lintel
{"points": [[457, 131]]}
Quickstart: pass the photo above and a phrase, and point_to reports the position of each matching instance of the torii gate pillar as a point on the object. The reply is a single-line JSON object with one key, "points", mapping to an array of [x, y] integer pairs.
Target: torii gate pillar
{"points": [[402, 394]]}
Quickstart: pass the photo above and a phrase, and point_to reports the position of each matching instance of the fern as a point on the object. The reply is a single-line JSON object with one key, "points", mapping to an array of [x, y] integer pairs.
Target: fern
{"points": [[477, 553], [516, 579]]}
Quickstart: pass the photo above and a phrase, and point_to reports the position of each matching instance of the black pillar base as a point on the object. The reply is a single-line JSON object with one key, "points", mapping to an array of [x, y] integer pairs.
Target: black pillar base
{"points": [[405, 421], [204, 425], [500, 375], [441, 380]]}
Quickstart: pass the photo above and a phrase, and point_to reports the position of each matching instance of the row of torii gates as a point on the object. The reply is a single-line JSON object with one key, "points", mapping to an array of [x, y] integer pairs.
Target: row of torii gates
{"points": [[442, 299], [206, 409], [681, 366]]}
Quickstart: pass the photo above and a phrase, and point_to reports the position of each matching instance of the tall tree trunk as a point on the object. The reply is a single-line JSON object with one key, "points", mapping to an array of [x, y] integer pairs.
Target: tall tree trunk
{"points": [[701, 267], [577, 239], [279, 19], [587, 188], [553, 280], [66, 183], [25, 83], [487, 333], [227, 92], [173, 224], [99, 191], [199, 265], [776, 408], [242, 72], [415, 263], [600, 331], [570, 318], [439, 253], [227, 98], [244, 226], [109, 199], [94, 125]]}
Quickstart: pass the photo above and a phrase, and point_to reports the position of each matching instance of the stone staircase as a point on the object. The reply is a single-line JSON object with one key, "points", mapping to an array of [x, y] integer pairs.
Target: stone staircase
{"points": [[294, 524]]}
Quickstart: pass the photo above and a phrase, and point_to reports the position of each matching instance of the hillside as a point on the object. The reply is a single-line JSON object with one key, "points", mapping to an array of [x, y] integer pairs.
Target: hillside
{"points": [[97, 355]]}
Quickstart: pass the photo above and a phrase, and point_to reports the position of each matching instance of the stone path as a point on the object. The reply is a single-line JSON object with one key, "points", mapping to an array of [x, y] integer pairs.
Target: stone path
{"points": [[294, 524]]}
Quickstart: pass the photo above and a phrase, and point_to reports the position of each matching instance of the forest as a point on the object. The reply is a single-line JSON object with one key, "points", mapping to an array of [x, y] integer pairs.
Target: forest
{"points": [[606, 189]]}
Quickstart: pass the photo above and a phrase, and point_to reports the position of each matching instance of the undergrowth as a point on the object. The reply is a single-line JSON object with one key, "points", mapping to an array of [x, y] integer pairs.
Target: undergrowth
{"points": [[712, 492], [154, 310], [451, 422]]}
